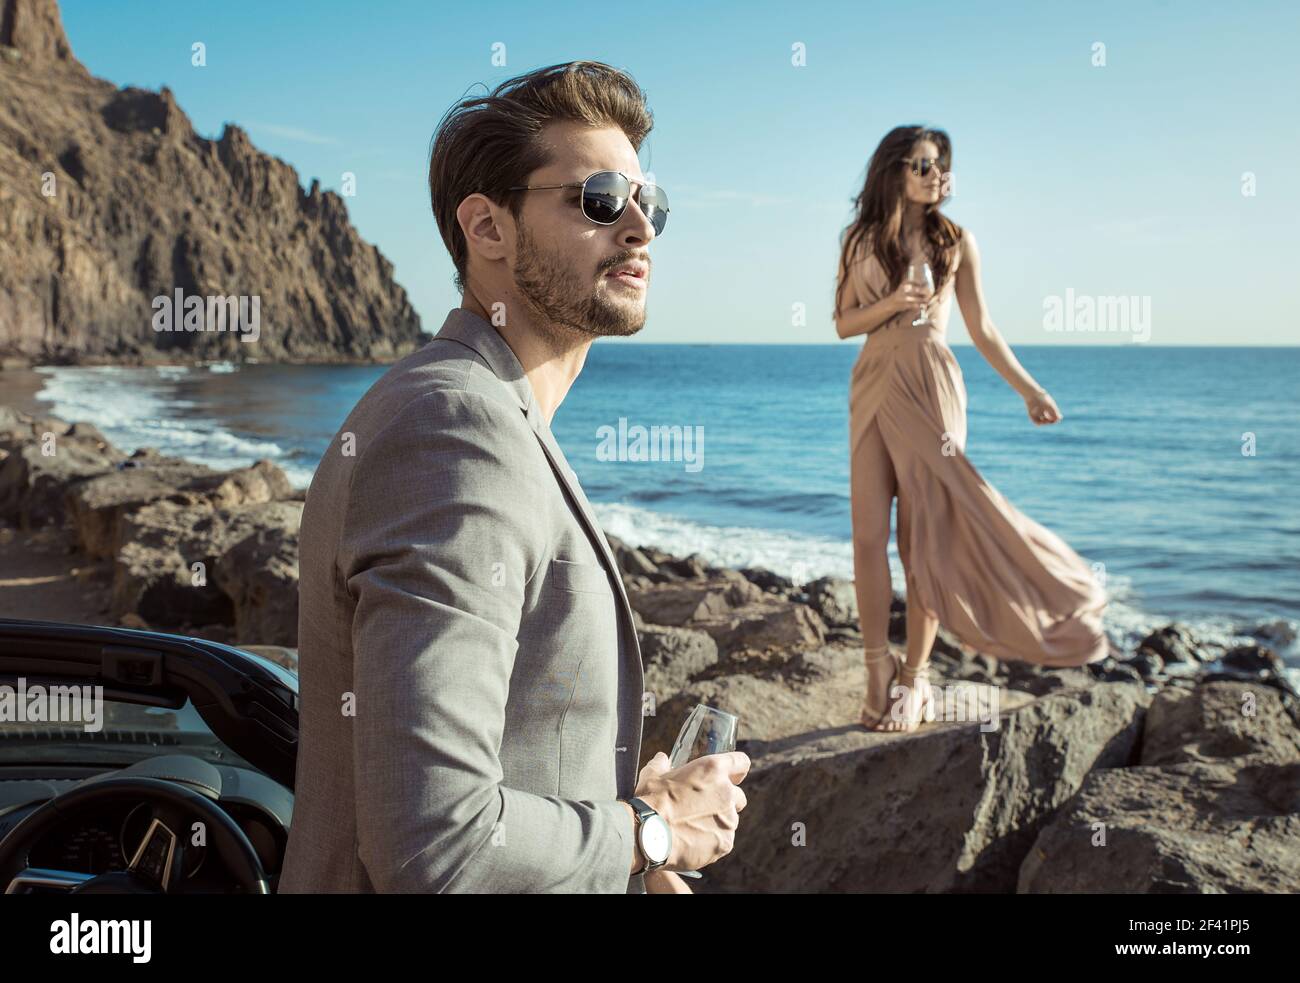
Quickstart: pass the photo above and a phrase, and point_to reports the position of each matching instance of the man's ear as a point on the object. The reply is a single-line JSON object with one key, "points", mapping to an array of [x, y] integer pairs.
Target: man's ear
{"points": [[480, 222]]}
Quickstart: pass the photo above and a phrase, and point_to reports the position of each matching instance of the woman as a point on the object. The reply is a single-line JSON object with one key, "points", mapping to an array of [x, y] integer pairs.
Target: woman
{"points": [[1001, 583]]}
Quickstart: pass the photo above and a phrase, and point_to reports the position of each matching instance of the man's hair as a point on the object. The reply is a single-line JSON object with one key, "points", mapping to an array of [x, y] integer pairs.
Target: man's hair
{"points": [[490, 143]]}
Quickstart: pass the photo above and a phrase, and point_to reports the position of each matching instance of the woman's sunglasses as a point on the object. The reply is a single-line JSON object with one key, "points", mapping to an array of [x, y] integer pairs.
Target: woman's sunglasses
{"points": [[606, 193], [921, 166]]}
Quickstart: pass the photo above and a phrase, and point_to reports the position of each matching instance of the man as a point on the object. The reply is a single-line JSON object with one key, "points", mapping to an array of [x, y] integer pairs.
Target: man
{"points": [[470, 674]]}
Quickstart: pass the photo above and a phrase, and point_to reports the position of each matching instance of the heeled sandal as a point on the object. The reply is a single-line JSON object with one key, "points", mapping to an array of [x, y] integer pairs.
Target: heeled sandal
{"points": [[870, 719], [914, 673]]}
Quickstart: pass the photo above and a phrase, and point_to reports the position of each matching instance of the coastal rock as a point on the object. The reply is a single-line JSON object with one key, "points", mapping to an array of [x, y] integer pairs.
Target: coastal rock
{"points": [[1181, 829], [109, 200], [679, 604], [260, 576], [40, 460], [835, 600], [730, 608], [166, 569], [161, 573], [952, 807], [1212, 804], [787, 694], [98, 505], [631, 561], [898, 626], [1252, 660], [673, 656], [1219, 720], [766, 580], [1277, 634], [681, 568], [1041, 680], [1174, 643], [763, 625], [1112, 670], [1147, 663]]}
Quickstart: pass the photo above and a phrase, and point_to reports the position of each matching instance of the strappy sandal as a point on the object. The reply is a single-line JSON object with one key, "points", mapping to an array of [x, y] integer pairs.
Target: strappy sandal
{"points": [[927, 706], [871, 719]]}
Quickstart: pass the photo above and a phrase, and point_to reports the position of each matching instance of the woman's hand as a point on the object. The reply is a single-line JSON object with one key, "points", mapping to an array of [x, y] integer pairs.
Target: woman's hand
{"points": [[1042, 408], [911, 296], [665, 882]]}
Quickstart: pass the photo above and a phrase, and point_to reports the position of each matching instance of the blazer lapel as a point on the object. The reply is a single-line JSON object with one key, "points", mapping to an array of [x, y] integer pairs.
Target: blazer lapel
{"points": [[471, 330], [561, 467], [630, 718]]}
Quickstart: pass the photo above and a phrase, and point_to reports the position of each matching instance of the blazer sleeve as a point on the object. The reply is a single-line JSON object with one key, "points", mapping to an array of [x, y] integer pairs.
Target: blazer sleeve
{"points": [[436, 551]]}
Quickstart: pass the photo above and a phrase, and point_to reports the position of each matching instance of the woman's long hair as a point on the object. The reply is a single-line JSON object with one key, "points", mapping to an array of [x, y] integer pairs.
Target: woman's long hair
{"points": [[878, 213]]}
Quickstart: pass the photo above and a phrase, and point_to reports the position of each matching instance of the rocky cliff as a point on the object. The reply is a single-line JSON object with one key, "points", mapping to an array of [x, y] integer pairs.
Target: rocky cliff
{"points": [[109, 201]]}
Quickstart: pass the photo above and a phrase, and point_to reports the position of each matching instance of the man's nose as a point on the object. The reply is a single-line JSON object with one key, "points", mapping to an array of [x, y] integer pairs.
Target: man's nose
{"points": [[633, 226]]}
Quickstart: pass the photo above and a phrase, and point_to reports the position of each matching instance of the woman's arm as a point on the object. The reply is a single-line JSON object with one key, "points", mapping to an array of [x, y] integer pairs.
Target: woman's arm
{"points": [[855, 319], [988, 340], [863, 320]]}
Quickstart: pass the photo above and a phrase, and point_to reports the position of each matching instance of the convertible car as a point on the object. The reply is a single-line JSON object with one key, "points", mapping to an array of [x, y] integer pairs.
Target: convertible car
{"points": [[183, 783]]}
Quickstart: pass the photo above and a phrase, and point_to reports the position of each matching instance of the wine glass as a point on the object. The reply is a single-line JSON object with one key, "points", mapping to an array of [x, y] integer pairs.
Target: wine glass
{"points": [[921, 275], [707, 730]]}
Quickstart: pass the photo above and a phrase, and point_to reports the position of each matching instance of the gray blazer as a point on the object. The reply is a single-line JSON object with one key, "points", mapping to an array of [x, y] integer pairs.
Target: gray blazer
{"points": [[469, 670]]}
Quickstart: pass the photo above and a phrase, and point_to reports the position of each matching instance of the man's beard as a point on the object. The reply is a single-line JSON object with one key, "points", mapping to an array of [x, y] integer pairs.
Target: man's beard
{"points": [[562, 297]]}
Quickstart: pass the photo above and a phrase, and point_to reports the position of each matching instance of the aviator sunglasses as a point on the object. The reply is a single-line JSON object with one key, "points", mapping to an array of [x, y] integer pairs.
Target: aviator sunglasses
{"points": [[921, 166], [606, 193]]}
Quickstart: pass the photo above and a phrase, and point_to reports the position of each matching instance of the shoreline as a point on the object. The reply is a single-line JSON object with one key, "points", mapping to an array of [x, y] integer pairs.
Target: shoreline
{"points": [[20, 386], [107, 486], [791, 552], [13, 363]]}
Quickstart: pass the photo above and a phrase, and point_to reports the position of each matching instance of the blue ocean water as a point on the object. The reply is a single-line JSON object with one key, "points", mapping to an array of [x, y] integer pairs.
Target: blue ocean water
{"points": [[1145, 473]]}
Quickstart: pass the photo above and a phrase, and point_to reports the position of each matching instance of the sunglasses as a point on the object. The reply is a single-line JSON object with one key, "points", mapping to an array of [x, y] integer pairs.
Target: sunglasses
{"points": [[605, 195], [921, 166]]}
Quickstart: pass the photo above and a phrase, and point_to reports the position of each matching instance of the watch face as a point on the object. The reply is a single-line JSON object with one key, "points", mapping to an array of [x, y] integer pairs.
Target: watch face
{"points": [[656, 839]]}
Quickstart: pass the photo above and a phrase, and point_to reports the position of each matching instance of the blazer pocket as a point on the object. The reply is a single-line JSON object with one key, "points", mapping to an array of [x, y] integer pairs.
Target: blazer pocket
{"points": [[583, 578]]}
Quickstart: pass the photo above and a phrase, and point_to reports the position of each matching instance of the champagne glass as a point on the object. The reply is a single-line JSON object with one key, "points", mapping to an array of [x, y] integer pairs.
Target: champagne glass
{"points": [[921, 275], [707, 730]]}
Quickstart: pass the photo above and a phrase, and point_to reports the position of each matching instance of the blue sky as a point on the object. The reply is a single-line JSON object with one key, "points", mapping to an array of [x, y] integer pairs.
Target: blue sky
{"points": [[1122, 180]]}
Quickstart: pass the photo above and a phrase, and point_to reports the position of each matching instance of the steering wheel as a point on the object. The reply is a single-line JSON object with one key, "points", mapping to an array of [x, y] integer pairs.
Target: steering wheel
{"points": [[157, 865]]}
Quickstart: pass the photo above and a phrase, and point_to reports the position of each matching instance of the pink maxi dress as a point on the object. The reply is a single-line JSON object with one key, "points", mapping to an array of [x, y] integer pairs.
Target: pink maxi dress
{"points": [[1000, 582]]}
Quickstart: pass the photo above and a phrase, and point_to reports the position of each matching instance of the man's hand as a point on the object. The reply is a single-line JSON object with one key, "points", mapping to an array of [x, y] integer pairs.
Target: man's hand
{"points": [[700, 801], [665, 882]]}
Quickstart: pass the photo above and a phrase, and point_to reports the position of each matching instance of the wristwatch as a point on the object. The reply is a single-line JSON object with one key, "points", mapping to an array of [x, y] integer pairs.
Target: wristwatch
{"points": [[653, 835]]}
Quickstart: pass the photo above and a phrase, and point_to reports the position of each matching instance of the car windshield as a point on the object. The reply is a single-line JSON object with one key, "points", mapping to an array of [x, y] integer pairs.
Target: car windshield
{"points": [[121, 733]]}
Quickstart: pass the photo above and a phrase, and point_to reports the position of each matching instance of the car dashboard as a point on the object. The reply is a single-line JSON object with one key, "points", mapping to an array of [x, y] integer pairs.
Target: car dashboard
{"points": [[106, 838]]}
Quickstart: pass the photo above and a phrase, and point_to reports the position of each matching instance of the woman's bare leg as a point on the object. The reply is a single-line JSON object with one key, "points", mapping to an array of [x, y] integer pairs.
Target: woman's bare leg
{"points": [[921, 631], [921, 627], [871, 493]]}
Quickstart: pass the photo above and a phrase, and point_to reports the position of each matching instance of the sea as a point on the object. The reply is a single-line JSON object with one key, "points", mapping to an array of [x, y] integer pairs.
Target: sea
{"points": [[1177, 468]]}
